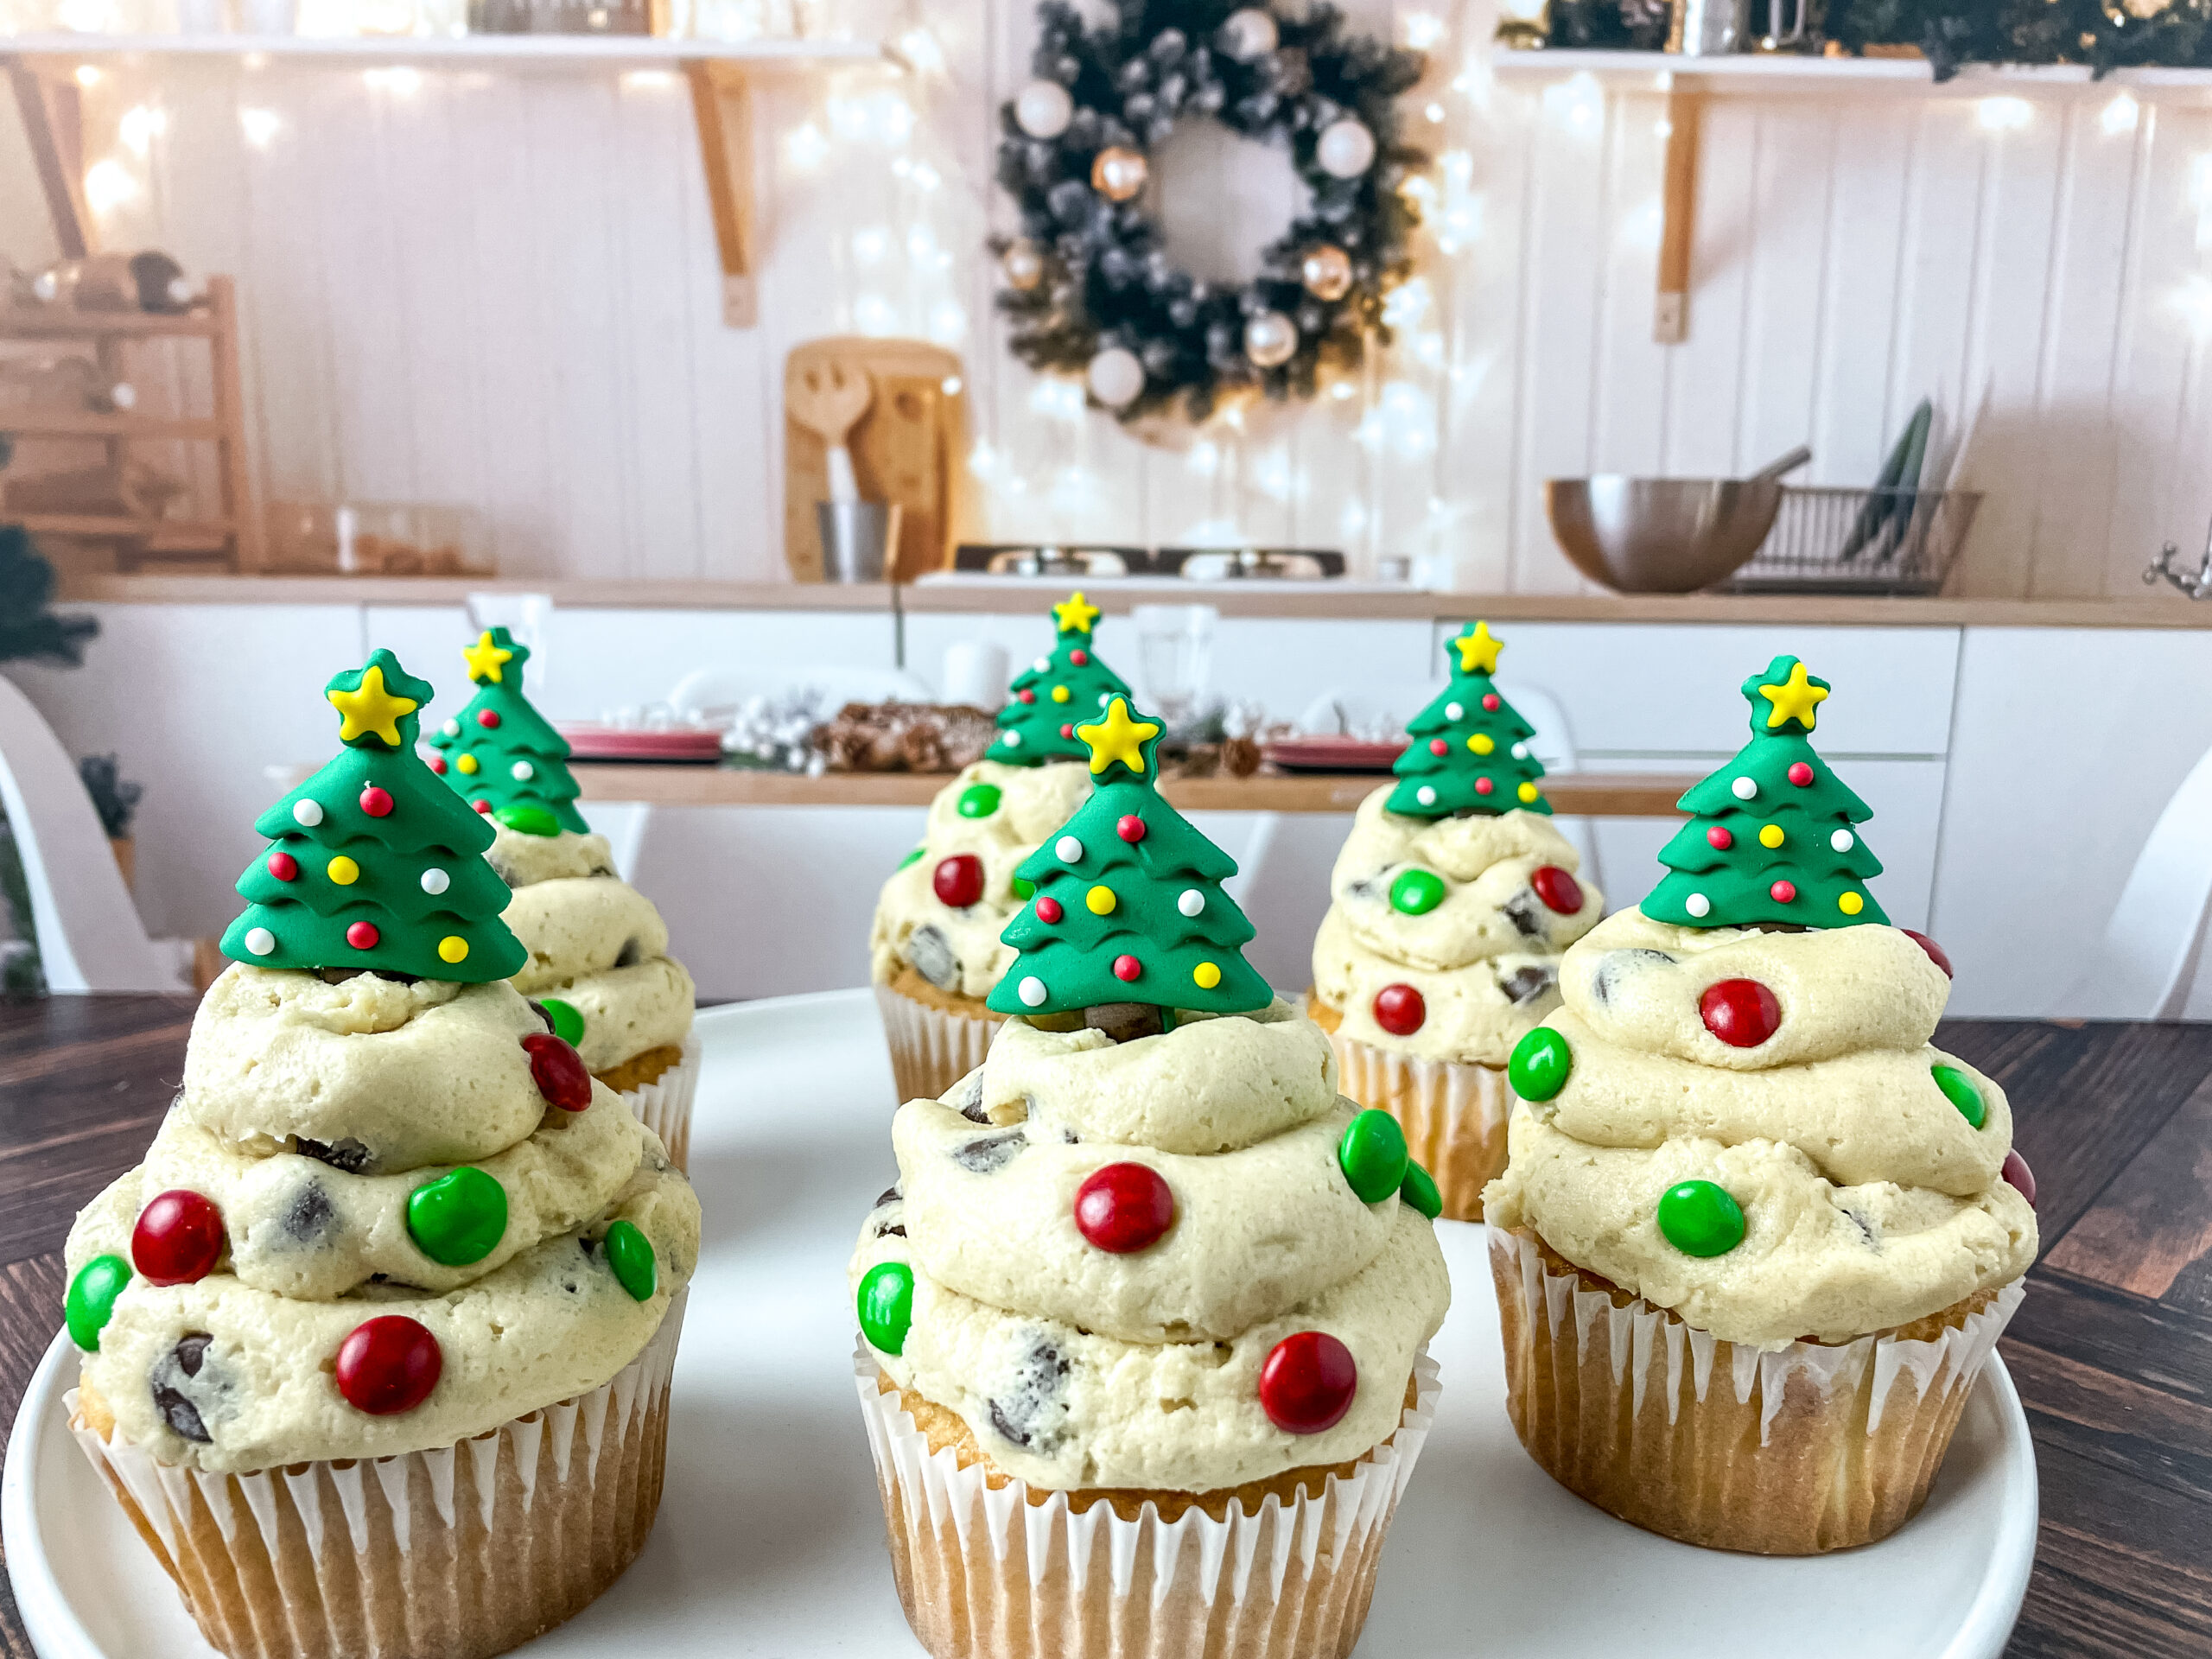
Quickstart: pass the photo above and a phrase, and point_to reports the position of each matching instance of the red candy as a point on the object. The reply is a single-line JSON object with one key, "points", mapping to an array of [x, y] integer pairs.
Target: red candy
{"points": [[1719, 839], [485, 807], [1130, 829], [1438, 745], [558, 1071], [1124, 1208], [1048, 910], [1079, 656], [179, 1238], [1557, 887], [959, 880], [488, 719], [1491, 700], [1307, 1383], [438, 765], [1800, 773], [284, 866], [1782, 891], [1483, 785], [388, 1364], [1400, 1010], [376, 801], [1067, 729], [1029, 696], [2016, 1170], [1934, 951], [1127, 968], [1741, 1012], [362, 936]]}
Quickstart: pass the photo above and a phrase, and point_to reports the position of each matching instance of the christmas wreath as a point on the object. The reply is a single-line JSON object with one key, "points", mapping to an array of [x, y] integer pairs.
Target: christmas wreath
{"points": [[1089, 286]]}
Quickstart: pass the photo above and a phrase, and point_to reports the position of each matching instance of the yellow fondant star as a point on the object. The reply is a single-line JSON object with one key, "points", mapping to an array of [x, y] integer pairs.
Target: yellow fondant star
{"points": [[1075, 614], [487, 661], [371, 709], [1478, 651], [1796, 698], [1118, 738]]}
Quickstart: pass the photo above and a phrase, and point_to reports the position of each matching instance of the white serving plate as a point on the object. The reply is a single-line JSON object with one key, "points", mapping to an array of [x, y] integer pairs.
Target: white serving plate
{"points": [[771, 1537]]}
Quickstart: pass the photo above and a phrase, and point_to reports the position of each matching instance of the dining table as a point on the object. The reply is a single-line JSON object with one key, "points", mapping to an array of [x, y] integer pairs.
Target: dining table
{"points": [[2111, 1349]]}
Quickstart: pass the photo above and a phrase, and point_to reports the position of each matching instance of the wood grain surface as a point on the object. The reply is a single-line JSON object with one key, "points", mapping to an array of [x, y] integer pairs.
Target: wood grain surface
{"points": [[2112, 1350]]}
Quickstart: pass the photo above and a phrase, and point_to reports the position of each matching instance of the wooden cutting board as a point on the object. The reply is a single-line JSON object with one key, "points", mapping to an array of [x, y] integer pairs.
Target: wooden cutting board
{"points": [[910, 447]]}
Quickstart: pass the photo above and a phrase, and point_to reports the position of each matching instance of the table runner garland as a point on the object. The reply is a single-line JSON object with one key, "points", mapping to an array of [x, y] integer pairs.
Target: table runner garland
{"points": [[1091, 291]]}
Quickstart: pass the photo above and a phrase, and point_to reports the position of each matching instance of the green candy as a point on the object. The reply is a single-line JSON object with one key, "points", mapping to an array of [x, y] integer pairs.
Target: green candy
{"points": [[886, 1305], [1419, 1189], [526, 818], [1701, 1219], [1540, 1064], [1959, 1089], [459, 1219], [979, 800], [914, 857], [92, 1299], [630, 1253], [1024, 890], [567, 1023], [1372, 1156], [1415, 892]]}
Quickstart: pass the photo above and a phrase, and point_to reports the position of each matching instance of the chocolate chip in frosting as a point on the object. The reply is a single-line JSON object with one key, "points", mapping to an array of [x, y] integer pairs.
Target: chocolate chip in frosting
{"points": [[349, 1156], [970, 1100], [1030, 1414], [1527, 983], [1125, 1022], [890, 1194], [1615, 965], [181, 1366], [308, 1218], [629, 955], [1526, 912], [933, 956], [988, 1153]]}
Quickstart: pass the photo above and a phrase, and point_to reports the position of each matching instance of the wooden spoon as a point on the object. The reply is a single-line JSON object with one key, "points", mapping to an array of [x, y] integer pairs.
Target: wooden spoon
{"points": [[828, 399]]}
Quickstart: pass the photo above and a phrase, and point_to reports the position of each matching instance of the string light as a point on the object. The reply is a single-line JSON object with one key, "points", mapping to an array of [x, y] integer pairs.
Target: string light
{"points": [[260, 126], [87, 76], [1578, 102], [873, 314], [923, 54], [108, 185], [948, 322], [140, 125], [1204, 457], [2121, 115], [805, 147], [400, 80], [648, 80], [871, 244], [1423, 30], [2003, 114]]}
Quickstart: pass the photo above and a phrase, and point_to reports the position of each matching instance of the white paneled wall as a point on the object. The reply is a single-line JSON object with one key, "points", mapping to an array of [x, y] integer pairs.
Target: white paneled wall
{"points": [[501, 291]]}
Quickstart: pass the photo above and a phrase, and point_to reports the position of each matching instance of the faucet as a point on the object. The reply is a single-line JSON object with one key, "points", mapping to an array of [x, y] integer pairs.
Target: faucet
{"points": [[2196, 587]]}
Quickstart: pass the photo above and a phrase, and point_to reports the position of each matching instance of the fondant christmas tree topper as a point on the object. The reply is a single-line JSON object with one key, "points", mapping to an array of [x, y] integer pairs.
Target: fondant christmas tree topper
{"points": [[1129, 907], [1047, 698], [1468, 752], [372, 862], [505, 757], [1771, 835]]}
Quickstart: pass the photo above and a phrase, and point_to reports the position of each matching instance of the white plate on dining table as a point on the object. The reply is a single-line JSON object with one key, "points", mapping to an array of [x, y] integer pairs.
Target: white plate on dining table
{"points": [[770, 1539]]}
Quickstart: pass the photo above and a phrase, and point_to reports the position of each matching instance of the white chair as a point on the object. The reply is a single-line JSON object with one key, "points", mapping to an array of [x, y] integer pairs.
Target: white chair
{"points": [[2143, 967], [90, 938]]}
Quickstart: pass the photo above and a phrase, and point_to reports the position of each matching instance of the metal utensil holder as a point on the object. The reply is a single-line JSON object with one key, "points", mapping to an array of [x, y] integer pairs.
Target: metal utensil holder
{"points": [[1870, 542]]}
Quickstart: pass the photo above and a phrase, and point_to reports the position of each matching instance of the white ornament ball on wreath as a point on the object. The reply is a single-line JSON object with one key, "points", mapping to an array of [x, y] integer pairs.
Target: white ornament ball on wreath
{"points": [[1248, 35], [1043, 109], [1326, 272], [1270, 339], [1116, 377], [1347, 148], [1118, 173], [1024, 266]]}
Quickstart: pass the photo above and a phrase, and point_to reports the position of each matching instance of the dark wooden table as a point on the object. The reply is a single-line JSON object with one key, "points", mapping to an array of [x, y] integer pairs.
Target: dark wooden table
{"points": [[2112, 1350]]}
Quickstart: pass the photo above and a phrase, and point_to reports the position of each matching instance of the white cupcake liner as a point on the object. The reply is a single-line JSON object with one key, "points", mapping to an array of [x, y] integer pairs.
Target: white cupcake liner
{"points": [[989, 1567], [664, 1104], [931, 1048], [1454, 1112], [1798, 1450], [455, 1553]]}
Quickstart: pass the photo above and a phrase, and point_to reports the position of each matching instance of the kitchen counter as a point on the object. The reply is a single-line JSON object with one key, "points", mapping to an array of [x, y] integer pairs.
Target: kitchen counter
{"points": [[1233, 599]]}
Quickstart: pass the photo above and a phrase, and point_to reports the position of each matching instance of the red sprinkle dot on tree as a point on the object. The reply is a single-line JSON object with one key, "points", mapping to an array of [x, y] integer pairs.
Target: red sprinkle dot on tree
{"points": [[376, 801], [485, 807], [1400, 1010], [1741, 1012], [1483, 785], [1783, 892], [1719, 838], [1127, 968], [438, 765], [1800, 773], [1491, 700], [959, 880], [558, 1071], [1307, 1384], [1067, 729], [1557, 887], [388, 1364], [284, 866], [1438, 745], [488, 719], [1079, 656], [1130, 828], [1935, 952], [362, 936], [1049, 910], [1124, 1208], [178, 1240]]}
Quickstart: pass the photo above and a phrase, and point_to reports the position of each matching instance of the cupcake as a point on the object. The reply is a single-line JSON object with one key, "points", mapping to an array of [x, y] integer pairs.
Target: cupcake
{"points": [[376, 1339], [1147, 1312], [1756, 1235], [934, 952], [1450, 905], [598, 951]]}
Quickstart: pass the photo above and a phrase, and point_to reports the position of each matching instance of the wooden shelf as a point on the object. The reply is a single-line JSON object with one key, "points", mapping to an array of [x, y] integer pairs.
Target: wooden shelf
{"points": [[122, 425], [1751, 74], [25, 323], [1624, 795], [628, 51], [159, 535]]}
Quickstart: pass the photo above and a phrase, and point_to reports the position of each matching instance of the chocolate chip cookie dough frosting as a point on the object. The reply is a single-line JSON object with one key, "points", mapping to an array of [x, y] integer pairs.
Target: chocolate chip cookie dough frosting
{"points": [[598, 949], [934, 952], [1741, 1132], [1450, 905], [390, 1212], [1144, 1255]]}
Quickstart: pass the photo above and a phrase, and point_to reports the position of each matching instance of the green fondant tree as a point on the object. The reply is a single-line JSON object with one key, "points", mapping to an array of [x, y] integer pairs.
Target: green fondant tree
{"points": [[372, 862], [1770, 836], [1128, 906], [1468, 751], [1048, 700], [501, 754]]}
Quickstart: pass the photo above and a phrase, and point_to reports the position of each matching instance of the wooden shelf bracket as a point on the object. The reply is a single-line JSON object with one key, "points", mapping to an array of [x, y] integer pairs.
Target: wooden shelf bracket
{"points": [[52, 113], [721, 104], [1670, 319]]}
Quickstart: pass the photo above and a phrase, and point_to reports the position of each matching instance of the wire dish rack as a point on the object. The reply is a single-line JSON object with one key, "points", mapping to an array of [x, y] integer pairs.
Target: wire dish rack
{"points": [[1837, 541]]}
